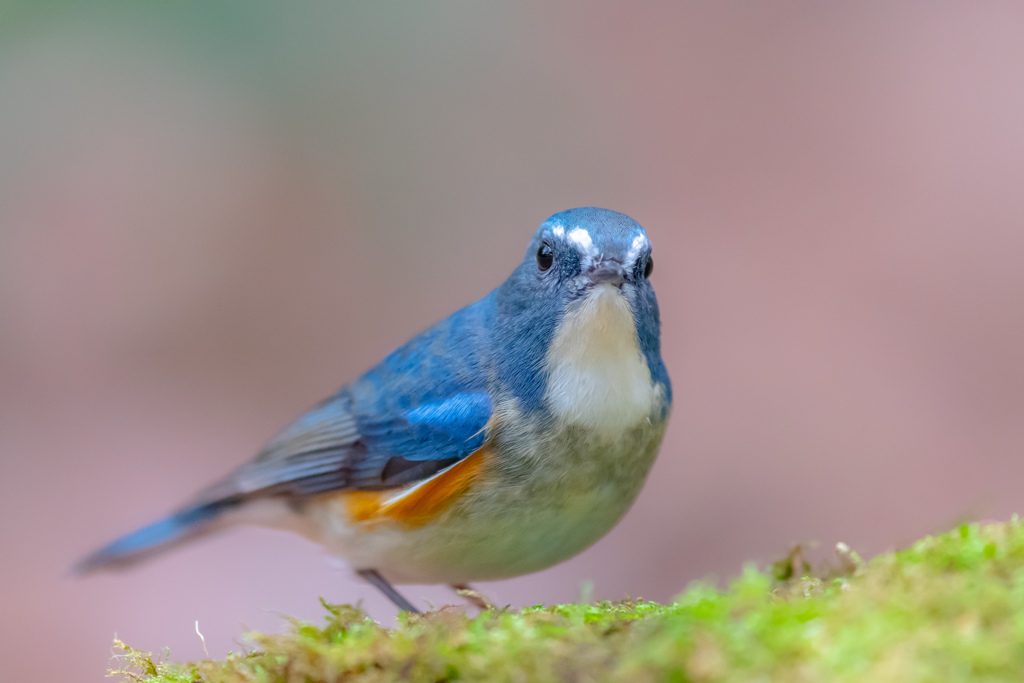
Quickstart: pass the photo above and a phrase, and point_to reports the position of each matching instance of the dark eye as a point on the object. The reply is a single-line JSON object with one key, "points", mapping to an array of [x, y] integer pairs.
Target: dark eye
{"points": [[545, 257], [649, 268]]}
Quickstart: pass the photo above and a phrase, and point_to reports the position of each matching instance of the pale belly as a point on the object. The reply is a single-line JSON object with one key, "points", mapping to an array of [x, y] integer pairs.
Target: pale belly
{"points": [[532, 509]]}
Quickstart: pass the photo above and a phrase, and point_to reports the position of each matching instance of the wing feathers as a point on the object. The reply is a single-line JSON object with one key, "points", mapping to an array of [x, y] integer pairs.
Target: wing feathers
{"points": [[333, 448]]}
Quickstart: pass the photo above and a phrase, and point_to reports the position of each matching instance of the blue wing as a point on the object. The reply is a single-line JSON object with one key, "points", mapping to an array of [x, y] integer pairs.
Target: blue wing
{"points": [[334, 447], [424, 408]]}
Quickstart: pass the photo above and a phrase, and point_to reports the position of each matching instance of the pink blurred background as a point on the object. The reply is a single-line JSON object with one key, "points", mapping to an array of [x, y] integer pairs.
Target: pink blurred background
{"points": [[212, 216]]}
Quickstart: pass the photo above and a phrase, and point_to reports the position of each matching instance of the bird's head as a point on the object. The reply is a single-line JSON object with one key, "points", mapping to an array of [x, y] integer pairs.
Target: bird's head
{"points": [[575, 251]]}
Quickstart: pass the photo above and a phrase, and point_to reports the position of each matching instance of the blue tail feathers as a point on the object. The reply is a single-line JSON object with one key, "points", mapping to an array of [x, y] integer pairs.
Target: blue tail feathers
{"points": [[149, 540]]}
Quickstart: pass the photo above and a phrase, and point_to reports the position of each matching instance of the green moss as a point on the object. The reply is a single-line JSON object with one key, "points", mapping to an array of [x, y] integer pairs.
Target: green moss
{"points": [[950, 608]]}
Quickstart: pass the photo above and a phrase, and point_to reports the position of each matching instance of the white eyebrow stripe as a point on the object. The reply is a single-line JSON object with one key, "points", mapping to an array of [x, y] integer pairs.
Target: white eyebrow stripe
{"points": [[582, 238], [639, 242], [558, 231]]}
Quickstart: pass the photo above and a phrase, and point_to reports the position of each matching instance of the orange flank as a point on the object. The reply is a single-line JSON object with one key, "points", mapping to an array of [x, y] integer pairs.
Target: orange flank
{"points": [[418, 504]]}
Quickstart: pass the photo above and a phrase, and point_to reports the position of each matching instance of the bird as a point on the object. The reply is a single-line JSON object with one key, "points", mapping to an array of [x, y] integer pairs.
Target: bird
{"points": [[500, 441]]}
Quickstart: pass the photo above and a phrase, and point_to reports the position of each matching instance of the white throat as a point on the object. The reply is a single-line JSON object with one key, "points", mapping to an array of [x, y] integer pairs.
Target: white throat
{"points": [[597, 376]]}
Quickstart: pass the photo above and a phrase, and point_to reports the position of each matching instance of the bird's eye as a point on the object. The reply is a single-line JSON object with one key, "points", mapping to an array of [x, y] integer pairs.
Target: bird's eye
{"points": [[545, 257], [649, 268]]}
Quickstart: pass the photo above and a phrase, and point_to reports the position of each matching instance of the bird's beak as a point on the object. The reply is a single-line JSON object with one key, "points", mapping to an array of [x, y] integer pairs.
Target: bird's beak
{"points": [[607, 271]]}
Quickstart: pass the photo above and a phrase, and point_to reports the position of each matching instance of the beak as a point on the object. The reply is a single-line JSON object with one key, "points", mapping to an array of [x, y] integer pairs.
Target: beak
{"points": [[607, 270]]}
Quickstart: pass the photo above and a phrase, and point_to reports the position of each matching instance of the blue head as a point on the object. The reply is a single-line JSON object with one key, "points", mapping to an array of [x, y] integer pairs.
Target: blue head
{"points": [[577, 313]]}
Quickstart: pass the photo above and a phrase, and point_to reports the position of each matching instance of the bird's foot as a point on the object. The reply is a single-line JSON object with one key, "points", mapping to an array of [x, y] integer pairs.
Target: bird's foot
{"points": [[473, 596]]}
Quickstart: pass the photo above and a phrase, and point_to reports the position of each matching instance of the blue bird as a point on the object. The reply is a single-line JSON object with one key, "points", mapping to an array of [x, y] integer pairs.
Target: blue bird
{"points": [[506, 438]]}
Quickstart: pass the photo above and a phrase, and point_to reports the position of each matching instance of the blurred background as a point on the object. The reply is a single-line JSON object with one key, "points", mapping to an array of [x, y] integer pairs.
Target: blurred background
{"points": [[214, 214]]}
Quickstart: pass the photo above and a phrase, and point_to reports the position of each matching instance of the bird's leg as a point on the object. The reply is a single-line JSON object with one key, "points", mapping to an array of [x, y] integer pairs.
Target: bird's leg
{"points": [[475, 597], [374, 578]]}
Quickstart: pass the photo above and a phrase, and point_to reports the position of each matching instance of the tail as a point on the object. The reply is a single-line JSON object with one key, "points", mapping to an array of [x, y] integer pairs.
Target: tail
{"points": [[170, 531]]}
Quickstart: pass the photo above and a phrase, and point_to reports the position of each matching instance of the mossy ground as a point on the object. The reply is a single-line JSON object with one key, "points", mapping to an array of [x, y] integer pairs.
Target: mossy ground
{"points": [[950, 608]]}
